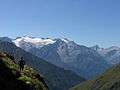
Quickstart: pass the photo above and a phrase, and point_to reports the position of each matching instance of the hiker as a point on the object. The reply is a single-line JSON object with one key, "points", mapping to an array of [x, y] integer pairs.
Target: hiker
{"points": [[21, 64]]}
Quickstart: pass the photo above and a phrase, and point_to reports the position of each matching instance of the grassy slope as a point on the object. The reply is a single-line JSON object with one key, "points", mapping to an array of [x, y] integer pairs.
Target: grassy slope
{"points": [[110, 80], [11, 79]]}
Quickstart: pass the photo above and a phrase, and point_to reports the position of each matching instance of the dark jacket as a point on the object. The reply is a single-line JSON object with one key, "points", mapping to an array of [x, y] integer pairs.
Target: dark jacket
{"points": [[21, 62]]}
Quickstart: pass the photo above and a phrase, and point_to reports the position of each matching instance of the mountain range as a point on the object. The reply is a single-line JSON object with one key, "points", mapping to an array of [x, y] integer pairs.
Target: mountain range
{"points": [[111, 54], [56, 78], [87, 62], [84, 61]]}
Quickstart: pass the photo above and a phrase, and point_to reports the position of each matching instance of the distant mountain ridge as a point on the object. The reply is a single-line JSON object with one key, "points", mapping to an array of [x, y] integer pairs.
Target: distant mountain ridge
{"points": [[6, 39], [96, 48], [66, 54], [111, 54]]}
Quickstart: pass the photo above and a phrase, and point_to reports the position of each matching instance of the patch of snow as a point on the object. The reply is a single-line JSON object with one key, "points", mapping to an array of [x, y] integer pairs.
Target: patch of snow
{"points": [[38, 42], [65, 40]]}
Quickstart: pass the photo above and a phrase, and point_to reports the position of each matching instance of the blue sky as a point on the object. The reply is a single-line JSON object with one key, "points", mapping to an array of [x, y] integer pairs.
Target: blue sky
{"points": [[87, 22]]}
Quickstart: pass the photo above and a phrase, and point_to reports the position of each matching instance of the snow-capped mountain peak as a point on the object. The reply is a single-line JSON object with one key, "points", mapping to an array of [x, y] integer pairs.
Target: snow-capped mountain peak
{"points": [[32, 42], [65, 40], [96, 48]]}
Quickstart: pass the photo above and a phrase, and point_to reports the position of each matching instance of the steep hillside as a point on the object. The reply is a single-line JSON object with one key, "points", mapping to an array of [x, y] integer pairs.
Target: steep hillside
{"points": [[12, 79], [56, 78], [110, 80], [66, 54]]}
